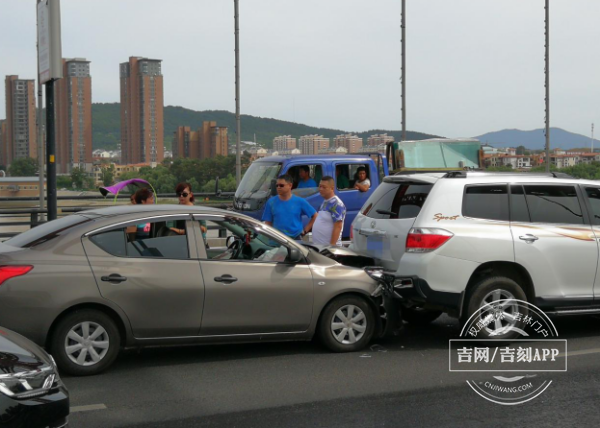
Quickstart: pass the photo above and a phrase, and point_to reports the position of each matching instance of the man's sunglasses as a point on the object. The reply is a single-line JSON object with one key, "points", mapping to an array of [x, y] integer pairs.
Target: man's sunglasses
{"points": [[184, 194], [281, 185]]}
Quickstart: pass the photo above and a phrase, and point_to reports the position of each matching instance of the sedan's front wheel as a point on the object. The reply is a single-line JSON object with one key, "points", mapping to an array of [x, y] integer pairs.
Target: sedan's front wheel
{"points": [[85, 343], [347, 324]]}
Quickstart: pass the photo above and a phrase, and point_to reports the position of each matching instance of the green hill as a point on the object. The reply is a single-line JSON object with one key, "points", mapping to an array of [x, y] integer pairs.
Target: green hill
{"points": [[106, 126]]}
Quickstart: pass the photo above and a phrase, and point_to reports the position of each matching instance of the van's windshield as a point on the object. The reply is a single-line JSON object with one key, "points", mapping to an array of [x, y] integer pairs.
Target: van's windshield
{"points": [[256, 183]]}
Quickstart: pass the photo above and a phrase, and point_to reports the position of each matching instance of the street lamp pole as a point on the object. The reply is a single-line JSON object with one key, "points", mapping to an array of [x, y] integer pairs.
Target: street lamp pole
{"points": [[403, 77], [238, 161], [40, 135], [547, 72]]}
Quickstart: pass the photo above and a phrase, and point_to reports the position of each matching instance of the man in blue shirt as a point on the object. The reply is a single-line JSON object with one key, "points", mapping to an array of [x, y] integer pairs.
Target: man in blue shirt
{"points": [[284, 212], [305, 180]]}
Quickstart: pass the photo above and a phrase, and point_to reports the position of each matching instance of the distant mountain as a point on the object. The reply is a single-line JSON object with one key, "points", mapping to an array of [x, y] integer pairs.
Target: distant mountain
{"points": [[106, 126], [536, 139]]}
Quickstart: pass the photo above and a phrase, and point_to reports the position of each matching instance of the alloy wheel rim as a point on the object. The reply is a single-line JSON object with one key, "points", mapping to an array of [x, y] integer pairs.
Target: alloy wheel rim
{"points": [[348, 324], [87, 343], [497, 312]]}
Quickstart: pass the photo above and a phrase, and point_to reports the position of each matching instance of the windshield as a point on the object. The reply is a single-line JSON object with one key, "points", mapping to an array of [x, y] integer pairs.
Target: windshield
{"points": [[257, 180]]}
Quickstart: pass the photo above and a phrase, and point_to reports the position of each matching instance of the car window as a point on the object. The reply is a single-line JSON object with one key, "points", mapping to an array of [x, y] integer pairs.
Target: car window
{"points": [[488, 202], [346, 175], [309, 187], [593, 194], [553, 204], [397, 200], [113, 242], [146, 239], [518, 204], [47, 231], [232, 238]]}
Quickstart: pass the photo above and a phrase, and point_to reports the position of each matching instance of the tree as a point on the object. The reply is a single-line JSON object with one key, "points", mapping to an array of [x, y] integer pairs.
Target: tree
{"points": [[78, 177], [64, 182], [108, 174], [23, 167]]}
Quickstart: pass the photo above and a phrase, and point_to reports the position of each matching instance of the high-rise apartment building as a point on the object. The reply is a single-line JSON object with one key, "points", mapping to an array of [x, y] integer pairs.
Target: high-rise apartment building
{"points": [[284, 142], [73, 104], [350, 142], [378, 139], [20, 137], [141, 111], [312, 144], [2, 142], [209, 141]]}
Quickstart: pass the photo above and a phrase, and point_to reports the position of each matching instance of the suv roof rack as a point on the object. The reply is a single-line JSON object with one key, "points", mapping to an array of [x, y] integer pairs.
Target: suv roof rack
{"points": [[428, 171], [463, 174]]}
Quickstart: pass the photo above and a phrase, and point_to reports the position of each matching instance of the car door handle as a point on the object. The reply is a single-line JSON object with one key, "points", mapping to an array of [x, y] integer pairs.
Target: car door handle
{"points": [[227, 279], [371, 232], [114, 277], [528, 238]]}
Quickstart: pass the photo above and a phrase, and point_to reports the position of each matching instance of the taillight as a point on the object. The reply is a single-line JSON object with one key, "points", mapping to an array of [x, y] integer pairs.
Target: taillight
{"points": [[8, 272], [424, 240]]}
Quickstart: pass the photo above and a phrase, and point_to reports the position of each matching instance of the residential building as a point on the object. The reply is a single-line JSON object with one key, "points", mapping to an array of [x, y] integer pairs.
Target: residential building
{"points": [[20, 135], [350, 142], [284, 142], [2, 142], [207, 142], [142, 125], [20, 186], [311, 144], [378, 139], [73, 106], [96, 171]]}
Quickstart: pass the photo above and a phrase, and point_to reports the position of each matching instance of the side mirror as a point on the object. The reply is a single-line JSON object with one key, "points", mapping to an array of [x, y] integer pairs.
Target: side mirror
{"points": [[294, 255], [273, 187]]}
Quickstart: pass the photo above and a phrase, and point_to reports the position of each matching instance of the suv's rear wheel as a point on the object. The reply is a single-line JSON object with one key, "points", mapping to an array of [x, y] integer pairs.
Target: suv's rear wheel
{"points": [[85, 342], [347, 324], [499, 317], [419, 316]]}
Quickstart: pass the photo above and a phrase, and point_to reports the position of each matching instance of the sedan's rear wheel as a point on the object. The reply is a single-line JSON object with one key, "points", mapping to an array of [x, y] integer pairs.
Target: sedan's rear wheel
{"points": [[347, 324], [85, 343]]}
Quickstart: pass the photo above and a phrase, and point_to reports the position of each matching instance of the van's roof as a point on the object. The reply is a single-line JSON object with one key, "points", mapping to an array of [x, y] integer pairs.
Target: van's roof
{"points": [[335, 158]]}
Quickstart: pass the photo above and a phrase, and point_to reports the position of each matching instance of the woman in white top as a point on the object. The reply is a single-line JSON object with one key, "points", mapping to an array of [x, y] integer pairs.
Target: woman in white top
{"points": [[362, 182]]}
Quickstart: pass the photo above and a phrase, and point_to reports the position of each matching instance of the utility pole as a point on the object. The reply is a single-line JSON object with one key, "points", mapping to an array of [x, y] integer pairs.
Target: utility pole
{"points": [[592, 150], [238, 160], [547, 72], [40, 134], [403, 77]]}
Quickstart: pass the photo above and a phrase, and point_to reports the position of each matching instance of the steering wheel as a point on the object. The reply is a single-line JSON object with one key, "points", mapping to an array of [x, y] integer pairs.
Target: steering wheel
{"points": [[234, 244]]}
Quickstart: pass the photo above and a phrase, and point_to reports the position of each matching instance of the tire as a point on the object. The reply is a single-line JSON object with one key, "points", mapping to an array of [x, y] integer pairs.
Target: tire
{"points": [[331, 326], [419, 316], [491, 289], [106, 349]]}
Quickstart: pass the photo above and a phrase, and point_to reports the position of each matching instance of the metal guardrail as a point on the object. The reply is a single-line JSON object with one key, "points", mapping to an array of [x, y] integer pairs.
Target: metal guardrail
{"points": [[33, 216], [109, 198]]}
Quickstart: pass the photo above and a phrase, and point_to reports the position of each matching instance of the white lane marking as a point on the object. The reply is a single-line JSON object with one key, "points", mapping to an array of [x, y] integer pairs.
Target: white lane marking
{"points": [[582, 352], [88, 408]]}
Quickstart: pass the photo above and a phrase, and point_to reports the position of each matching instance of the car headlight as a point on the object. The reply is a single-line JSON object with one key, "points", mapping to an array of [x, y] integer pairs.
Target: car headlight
{"points": [[28, 384]]}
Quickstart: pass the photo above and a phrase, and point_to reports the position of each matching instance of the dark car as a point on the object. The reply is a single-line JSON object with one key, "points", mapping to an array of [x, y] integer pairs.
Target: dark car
{"points": [[31, 392]]}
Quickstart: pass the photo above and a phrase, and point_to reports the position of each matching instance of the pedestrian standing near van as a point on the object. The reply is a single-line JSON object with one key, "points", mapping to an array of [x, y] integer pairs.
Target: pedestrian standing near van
{"points": [[284, 212], [329, 224]]}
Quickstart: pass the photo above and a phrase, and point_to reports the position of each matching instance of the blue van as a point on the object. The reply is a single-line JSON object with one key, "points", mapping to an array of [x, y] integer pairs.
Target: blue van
{"points": [[258, 184]]}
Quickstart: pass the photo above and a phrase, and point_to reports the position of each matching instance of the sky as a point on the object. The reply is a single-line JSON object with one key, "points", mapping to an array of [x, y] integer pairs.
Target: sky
{"points": [[473, 66]]}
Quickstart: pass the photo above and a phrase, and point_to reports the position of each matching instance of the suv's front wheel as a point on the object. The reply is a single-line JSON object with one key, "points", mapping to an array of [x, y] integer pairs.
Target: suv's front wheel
{"points": [[493, 299]]}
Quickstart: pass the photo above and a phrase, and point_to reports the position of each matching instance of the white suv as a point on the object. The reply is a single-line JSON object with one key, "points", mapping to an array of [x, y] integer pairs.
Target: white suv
{"points": [[471, 238]]}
